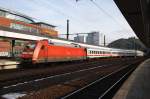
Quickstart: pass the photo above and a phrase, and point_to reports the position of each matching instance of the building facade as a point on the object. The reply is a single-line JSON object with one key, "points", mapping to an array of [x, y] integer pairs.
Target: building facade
{"points": [[79, 39], [93, 38]]}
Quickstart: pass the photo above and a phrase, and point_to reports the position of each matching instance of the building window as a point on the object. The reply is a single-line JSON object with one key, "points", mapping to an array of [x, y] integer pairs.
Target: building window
{"points": [[24, 28], [18, 18], [2, 13], [16, 26]]}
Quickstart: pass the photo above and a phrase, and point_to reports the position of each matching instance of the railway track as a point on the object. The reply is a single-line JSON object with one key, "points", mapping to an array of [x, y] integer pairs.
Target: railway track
{"points": [[66, 76], [8, 77], [73, 80], [101, 89]]}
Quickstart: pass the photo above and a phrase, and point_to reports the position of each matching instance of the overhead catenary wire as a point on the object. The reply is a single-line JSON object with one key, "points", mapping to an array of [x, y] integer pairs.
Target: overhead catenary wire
{"points": [[48, 5], [66, 16], [109, 15]]}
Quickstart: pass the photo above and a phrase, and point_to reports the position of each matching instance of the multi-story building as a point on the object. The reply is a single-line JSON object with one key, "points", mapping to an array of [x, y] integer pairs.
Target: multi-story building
{"points": [[93, 38], [79, 39], [21, 23]]}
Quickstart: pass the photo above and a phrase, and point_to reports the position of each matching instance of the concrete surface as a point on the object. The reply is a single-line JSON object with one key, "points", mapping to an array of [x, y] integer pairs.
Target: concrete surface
{"points": [[137, 86]]}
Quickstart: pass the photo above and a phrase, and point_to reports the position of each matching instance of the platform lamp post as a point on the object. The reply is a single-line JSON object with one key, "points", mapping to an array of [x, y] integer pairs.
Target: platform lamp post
{"points": [[67, 29], [104, 40], [12, 47], [134, 46]]}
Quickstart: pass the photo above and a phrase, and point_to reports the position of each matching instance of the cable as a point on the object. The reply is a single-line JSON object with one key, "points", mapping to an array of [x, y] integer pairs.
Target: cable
{"points": [[110, 16], [74, 18], [48, 6]]}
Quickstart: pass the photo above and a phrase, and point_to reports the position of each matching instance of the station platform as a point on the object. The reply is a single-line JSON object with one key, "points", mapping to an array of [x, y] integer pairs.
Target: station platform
{"points": [[8, 64], [137, 86]]}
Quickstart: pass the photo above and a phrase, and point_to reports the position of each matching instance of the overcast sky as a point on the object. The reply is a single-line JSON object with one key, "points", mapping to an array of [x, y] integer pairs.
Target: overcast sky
{"points": [[84, 16]]}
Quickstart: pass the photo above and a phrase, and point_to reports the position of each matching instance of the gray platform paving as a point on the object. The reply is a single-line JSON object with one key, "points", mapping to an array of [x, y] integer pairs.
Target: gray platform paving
{"points": [[137, 86]]}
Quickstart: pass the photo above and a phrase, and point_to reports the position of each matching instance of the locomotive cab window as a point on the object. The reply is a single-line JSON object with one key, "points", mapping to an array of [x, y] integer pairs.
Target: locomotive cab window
{"points": [[30, 46], [42, 47]]}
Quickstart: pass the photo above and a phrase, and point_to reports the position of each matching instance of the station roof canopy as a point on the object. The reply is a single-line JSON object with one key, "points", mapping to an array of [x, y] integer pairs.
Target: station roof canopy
{"points": [[16, 13], [137, 13], [39, 23]]}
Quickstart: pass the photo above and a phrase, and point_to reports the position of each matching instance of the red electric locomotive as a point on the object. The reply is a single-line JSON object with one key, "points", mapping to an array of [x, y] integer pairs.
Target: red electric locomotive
{"points": [[42, 51]]}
